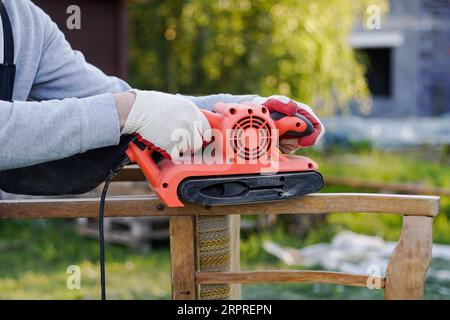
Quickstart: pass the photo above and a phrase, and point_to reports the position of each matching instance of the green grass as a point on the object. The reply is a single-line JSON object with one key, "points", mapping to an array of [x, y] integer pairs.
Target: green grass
{"points": [[34, 255], [424, 167], [414, 166]]}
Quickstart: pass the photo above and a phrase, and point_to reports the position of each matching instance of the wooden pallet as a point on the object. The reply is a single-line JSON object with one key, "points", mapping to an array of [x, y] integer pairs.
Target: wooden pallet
{"points": [[138, 233]]}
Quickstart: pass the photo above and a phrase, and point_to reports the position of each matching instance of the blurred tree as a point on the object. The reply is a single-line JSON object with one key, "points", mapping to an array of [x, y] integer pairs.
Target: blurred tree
{"points": [[290, 47]]}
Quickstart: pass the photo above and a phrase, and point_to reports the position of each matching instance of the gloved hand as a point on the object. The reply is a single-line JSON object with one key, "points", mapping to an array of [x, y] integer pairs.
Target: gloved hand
{"points": [[170, 124], [290, 107]]}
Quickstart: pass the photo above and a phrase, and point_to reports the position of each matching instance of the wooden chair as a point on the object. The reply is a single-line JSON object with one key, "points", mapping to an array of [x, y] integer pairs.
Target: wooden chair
{"points": [[404, 276]]}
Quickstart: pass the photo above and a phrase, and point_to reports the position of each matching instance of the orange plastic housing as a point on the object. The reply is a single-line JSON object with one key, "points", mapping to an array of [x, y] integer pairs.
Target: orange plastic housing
{"points": [[235, 125]]}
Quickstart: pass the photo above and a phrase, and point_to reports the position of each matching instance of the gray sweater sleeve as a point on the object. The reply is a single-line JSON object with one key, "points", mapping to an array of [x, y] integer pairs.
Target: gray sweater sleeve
{"points": [[74, 109], [37, 132]]}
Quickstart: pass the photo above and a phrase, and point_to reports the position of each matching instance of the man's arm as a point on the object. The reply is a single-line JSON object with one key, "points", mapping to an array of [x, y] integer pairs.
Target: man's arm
{"points": [[37, 132]]}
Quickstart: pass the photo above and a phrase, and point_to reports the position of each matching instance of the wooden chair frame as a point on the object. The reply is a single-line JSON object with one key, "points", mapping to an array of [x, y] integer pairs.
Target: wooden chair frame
{"points": [[405, 273]]}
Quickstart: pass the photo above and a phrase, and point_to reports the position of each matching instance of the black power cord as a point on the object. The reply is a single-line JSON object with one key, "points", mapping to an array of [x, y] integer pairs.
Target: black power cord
{"points": [[101, 216]]}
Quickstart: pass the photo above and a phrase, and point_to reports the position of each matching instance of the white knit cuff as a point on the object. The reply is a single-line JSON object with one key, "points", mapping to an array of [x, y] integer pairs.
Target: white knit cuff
{"points": [[139, 111]]}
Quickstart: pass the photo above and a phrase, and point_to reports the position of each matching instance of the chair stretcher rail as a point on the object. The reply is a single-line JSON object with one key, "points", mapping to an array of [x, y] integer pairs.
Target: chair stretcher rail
{"points": [[287, 276]]}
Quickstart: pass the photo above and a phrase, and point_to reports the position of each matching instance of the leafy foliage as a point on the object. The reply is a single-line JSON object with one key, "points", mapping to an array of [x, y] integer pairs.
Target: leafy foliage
{"points": [[291, 47]]}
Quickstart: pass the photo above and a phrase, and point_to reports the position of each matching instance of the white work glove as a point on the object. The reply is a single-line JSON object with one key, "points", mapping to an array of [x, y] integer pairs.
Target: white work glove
{"points": [[290, 107], [169, 123]]}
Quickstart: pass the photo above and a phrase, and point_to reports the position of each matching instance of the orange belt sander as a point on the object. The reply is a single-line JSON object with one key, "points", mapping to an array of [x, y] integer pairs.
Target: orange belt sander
{"points": [[242, 164]]}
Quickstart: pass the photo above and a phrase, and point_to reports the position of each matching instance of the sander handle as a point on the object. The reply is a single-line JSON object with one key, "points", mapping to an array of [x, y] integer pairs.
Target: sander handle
{"points": [[296, 126]]}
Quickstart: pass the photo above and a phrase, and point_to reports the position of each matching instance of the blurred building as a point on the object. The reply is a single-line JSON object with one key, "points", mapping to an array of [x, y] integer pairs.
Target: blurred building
{"points": [[409, 73], [103, 34]]}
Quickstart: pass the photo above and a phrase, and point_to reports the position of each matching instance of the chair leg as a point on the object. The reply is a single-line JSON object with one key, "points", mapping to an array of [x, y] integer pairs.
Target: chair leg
{"points": [[405, 275], [182, 253]]}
